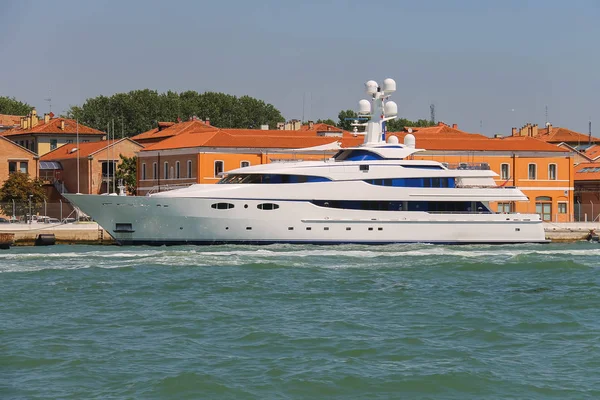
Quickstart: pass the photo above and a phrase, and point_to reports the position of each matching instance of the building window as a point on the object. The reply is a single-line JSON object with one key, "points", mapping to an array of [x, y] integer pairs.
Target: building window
{"points": [[85, 141], [154, 170], [505, 171], [218, 168], [166, 171], [189, 168], [504, 207], [69, 141], [53, 144], [552, 172], [177, 170], [244, 164], [562, 208], [12, 167], [23, 166], [532, 172], [144, 171]]}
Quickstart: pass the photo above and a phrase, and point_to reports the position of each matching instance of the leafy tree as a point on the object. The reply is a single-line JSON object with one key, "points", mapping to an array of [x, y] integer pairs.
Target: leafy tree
{"points": [[140, 110], [19, 187], [398, 124], [13, 106], [346, 119], [327, 121], [127, 171]]}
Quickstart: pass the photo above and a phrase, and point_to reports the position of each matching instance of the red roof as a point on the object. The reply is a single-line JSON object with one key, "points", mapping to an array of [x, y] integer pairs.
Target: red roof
{"points": [[10, 120], [85, 149], [587, 172], [475, 142], [54, 127], [321, 127], [557, 134], [169, 129]]}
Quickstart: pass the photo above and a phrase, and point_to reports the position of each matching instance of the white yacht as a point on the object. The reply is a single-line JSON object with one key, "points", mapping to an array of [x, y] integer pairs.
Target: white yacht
{"points": [[373, 194]]}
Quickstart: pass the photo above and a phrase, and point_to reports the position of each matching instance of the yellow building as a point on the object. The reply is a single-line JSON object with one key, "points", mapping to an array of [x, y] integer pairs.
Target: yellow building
{"points": [[44, 135]]}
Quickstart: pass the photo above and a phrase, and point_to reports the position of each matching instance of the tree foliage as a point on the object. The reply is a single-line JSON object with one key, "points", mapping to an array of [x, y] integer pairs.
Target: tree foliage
{"points": [[347, 117], [19, 187], [140, 110], [127, 170], [12, 106], [327, 121]]}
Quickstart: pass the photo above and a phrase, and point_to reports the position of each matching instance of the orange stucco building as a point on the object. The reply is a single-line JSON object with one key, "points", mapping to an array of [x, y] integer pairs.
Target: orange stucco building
{"points": [[193, 152], [97, 163]]}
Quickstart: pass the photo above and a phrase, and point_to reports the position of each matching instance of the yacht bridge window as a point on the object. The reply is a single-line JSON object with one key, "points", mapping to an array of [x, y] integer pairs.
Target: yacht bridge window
{"points": [[271, 179], [426, 206]]}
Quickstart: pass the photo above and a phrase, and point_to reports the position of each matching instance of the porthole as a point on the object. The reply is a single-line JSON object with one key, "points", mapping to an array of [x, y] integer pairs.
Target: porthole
{"points": [[326, 228], [248, 228], [370, 228], [245, 205], [348, 228], [290, 228], [379, 229], [222, 206], [268, 206], [308, 228]]}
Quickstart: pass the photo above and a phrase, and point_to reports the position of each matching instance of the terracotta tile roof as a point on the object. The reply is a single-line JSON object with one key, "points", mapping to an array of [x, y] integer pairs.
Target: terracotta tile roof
{"points": [[321, 127], [587, 172], [170, 129], [592, 152], [54, 127], [480, 143], [558, 134], [441, 130], [85, 149], [10, 120]]}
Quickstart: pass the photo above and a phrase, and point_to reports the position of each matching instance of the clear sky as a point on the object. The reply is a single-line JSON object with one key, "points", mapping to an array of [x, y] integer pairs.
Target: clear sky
{"points": [[487, 65]]}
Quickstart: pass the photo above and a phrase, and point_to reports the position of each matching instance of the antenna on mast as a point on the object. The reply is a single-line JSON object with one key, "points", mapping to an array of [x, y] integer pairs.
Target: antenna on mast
{"points": [[49, 100], [77, 140], [432, 113]]}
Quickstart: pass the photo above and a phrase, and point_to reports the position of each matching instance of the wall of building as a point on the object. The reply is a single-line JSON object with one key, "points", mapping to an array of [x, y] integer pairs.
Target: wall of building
{"points": [[11, 152], [559, 190]]}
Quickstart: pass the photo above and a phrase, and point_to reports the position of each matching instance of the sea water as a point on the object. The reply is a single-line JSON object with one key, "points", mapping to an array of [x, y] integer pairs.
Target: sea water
{"points": [[300, 322]]}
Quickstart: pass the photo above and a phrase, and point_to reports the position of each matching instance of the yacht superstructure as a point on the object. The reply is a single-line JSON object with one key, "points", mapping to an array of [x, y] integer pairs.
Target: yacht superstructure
{"points": [[373, 194]]}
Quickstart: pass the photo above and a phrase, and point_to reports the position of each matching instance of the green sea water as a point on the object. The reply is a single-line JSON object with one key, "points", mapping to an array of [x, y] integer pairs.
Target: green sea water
{"points": [[300, 322]]}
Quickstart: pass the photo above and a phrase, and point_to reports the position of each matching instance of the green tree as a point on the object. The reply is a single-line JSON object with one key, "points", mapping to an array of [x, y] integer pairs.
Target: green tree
{"points": [[19, 187], [12, 106], [140, 110], [327, 121], [127, 171], [346, 118]]}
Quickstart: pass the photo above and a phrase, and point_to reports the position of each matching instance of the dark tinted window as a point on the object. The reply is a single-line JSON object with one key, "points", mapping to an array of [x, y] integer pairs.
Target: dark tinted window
{"points": [[268, 206], [222, 206]]}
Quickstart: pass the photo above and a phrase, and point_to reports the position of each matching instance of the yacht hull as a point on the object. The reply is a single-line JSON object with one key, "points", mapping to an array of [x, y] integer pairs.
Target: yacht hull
{"points": [[195, 220]]}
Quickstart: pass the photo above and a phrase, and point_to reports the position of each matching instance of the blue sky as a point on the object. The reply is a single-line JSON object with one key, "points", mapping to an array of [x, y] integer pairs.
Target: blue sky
{"points": [[486, 65]]}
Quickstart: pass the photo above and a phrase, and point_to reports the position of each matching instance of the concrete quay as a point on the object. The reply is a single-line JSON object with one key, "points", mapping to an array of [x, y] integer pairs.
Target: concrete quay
{"points": [[73, 233], [570, 231]]}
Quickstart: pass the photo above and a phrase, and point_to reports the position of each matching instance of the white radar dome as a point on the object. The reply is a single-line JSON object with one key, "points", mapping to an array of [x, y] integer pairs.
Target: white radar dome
{"points": [[410, 141], [371, 87], [392, 139], [364, 107], [390, 109], [389, 86]]}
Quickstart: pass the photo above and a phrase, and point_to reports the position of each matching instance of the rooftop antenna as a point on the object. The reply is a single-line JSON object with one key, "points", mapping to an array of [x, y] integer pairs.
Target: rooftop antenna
{"points": [[49, 100], [590, 131], [113, 161], [546, 115], [432, 113], [303, 102]]}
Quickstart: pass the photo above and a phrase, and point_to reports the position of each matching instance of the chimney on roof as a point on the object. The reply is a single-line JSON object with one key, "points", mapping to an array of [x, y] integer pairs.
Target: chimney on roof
{"points": [[34, 118], [311, 125], [207, 121], [25, 122], [440, 123], [549, 126], [454, 126], [264, 127], [514, 132], [62, 125], [46, 118], [281, 126]]}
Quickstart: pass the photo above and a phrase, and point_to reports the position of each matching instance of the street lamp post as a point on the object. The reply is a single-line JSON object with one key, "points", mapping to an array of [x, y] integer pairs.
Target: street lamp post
{"points": [[30, 215]]}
